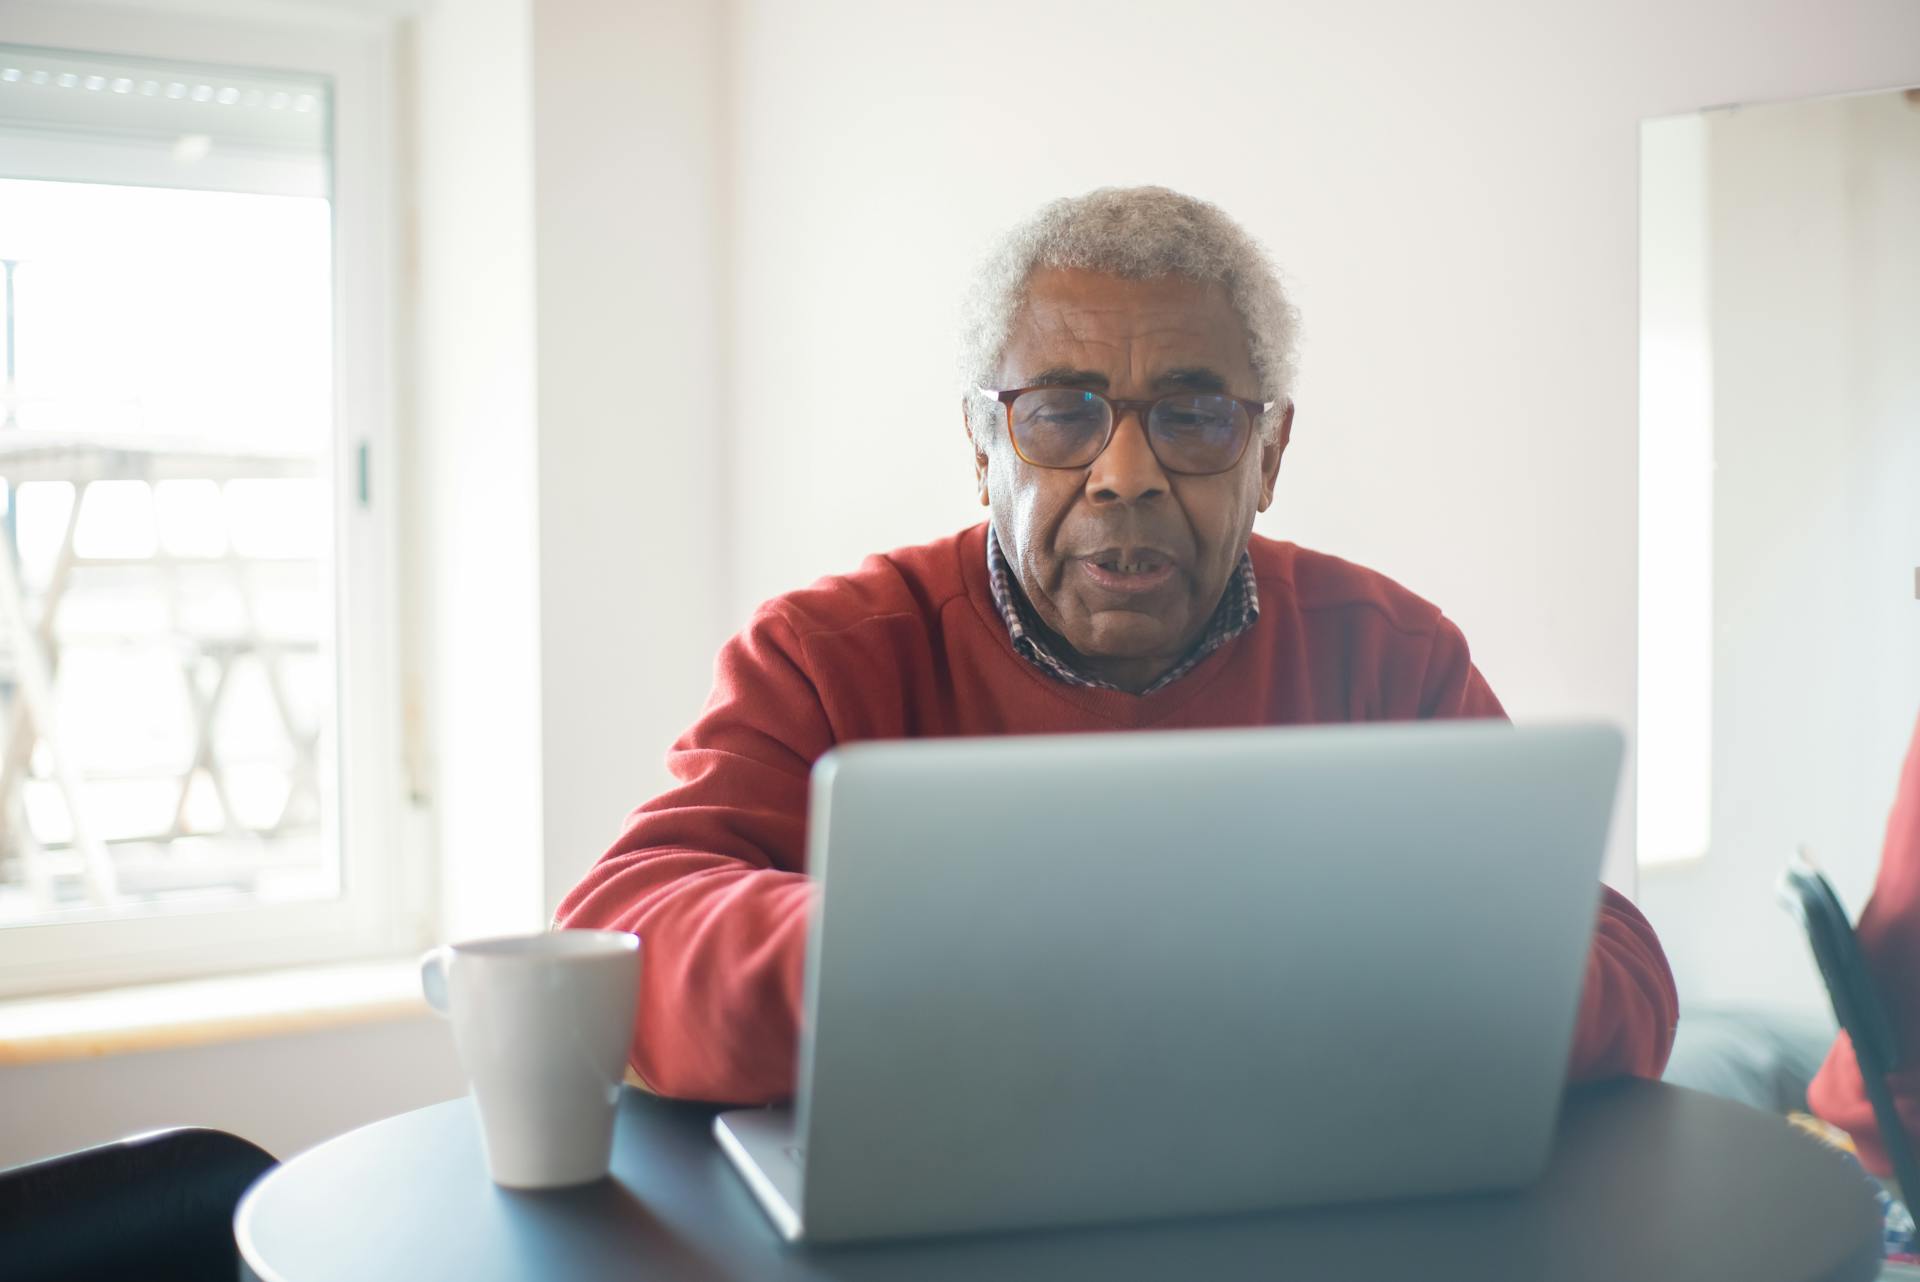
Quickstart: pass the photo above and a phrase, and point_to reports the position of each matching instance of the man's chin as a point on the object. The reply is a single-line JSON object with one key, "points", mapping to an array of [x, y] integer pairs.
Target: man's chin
{"points": [[1122, 636]]}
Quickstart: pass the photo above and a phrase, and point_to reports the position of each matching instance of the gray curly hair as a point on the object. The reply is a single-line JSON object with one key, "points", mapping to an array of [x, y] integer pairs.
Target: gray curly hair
{"points": [[1135, 232]]}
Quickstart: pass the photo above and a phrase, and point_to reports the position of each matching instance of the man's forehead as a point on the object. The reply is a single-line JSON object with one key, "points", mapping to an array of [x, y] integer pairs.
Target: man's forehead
{"points": [[1071, 316], [1075, 289]]}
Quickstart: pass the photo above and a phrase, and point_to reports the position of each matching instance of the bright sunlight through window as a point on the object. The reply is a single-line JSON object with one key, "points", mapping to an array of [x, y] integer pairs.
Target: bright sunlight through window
{"points": [[167, 678]]}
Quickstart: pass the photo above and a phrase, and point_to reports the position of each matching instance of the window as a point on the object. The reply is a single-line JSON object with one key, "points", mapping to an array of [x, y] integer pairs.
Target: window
{"points": [[197, 749], [1674, 755]]}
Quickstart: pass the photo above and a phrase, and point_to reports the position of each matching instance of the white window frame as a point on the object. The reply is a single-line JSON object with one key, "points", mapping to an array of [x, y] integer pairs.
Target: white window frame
{"points": [[386, 903]]}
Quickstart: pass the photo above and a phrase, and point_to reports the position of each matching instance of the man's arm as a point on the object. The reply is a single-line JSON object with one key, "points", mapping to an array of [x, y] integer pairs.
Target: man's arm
{"points": [[711, 876], [1628, 1007]]}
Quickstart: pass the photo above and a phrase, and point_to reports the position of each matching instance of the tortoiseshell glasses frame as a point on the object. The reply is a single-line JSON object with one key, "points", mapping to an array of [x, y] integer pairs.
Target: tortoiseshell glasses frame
{"points": [[1192, 433]]}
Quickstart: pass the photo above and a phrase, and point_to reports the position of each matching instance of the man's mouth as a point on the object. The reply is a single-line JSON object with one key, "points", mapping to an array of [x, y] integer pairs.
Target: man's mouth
{"points": [[1129, 569]]}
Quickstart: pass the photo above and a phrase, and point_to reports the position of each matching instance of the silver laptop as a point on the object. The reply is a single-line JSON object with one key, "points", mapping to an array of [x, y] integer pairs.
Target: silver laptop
{"points": [[1067, 979]]}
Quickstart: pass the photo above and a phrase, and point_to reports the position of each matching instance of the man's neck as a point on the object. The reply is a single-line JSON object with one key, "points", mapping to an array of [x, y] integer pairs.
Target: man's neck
{"points": [[1131, 674]]}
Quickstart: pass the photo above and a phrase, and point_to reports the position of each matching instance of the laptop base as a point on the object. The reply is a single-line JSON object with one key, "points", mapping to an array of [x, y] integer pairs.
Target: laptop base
{"points": [[764, 1144]]}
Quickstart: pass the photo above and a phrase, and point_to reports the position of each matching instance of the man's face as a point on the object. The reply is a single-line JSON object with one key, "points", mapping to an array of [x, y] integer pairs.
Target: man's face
{"points": [[1123, 561]]}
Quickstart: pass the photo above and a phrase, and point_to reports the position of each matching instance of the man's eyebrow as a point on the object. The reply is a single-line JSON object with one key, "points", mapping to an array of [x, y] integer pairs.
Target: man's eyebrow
{"points": [[1067, 376], [1195, 379]]}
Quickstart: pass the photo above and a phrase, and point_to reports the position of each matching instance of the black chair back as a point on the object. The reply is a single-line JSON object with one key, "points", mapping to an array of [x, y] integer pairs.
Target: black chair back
{"points": [[1808, 895], [157, 1206]]}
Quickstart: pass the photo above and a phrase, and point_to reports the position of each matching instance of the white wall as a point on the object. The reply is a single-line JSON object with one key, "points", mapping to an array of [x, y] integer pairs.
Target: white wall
{"points": [[473, 581], [283, 1093], [570, 426], [629, 211], [1450, 189], [1815, 323]]}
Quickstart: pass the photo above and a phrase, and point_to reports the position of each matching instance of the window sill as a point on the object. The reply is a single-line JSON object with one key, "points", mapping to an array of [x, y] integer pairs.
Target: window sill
{"points": [[200, 1012]]}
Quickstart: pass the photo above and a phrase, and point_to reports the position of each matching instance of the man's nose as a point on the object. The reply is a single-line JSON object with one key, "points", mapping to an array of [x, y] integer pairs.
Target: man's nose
{"points": [[1126, 471]]}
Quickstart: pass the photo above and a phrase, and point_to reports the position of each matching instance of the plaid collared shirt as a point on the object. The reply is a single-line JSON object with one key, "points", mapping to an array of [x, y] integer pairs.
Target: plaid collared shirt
{"points": [[1239, 607]]}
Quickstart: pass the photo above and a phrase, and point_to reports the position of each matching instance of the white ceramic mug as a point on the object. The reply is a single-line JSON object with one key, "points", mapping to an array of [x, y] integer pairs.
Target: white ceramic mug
{"points": [[542, 1024]]}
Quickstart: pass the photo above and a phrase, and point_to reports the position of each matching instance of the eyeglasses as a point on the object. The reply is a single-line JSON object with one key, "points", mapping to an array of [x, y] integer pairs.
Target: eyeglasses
{"points": [[1197, 433]]}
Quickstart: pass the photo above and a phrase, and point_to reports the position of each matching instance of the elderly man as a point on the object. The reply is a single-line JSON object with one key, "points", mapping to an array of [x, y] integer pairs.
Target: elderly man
{"points": [[1127, 361]]}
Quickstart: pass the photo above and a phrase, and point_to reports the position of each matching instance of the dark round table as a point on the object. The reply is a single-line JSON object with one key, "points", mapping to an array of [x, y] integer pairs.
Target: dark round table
{"points": [[1648, 1183]]}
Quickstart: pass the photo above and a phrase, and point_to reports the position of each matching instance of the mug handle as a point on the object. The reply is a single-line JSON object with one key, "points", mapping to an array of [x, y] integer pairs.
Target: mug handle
{"points": [[434, 965]]}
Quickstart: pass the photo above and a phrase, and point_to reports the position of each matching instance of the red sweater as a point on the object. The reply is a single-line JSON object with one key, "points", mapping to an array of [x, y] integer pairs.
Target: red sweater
{"points": [[1889, 935], [712, 873]]}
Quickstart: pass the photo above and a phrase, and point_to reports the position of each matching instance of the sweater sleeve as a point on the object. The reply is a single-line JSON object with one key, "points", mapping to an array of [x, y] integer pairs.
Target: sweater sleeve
{"points": [[711, 876], [1628, 1005], [1628, 1008]]}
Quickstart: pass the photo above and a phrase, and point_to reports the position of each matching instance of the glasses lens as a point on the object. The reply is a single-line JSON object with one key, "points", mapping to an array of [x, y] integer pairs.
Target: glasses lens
{"points": [[1199, 433], [1059, 426]]}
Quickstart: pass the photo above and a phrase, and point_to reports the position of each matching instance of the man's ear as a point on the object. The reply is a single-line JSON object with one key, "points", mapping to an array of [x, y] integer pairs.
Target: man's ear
{"points": [[1270, 457], [979, 454]]}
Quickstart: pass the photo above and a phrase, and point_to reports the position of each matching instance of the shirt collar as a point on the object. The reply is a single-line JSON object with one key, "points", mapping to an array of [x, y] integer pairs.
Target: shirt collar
{"points": [[1238, 609]]}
